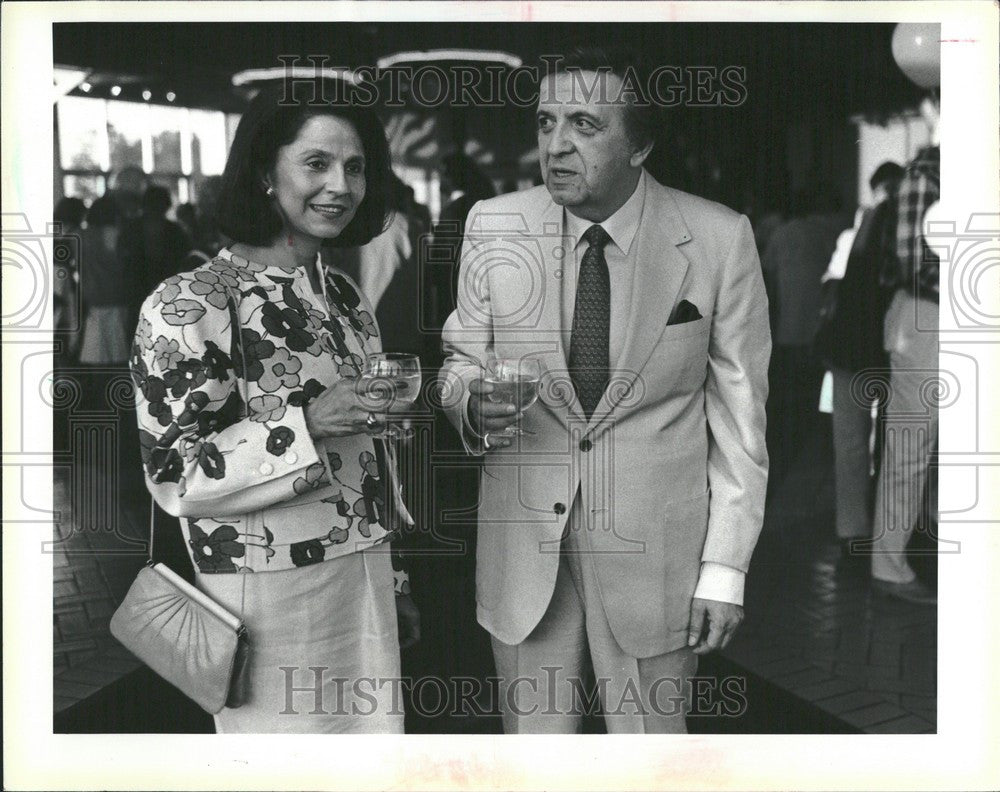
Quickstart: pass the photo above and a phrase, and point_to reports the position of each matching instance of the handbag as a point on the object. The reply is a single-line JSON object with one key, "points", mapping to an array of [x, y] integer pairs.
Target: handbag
{"points": [[185, 636], [182, 634]]}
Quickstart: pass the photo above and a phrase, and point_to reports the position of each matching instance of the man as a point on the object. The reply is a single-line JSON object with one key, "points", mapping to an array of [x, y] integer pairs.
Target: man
{"points": [[618, 529], [911, 339], [850, 341], [794, 261]]}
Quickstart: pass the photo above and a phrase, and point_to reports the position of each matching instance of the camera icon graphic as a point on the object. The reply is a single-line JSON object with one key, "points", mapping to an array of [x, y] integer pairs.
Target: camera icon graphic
{"points": [[971, 259], [507, 268], [34, 265]]}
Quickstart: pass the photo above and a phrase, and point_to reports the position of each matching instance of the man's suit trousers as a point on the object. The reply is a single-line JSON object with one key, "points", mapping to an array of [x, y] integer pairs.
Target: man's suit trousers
{"points": [[543, 680]]}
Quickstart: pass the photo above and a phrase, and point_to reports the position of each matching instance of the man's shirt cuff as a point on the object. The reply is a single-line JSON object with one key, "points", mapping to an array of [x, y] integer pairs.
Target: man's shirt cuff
{"points": [[466, 423], [720, 582]]}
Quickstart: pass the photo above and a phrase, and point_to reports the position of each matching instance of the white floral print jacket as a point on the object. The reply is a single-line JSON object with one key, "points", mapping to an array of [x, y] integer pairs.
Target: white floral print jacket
{"points": [[252, 488]]}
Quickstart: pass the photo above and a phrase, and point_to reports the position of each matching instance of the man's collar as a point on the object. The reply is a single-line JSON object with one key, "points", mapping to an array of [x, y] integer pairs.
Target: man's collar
{"points": [[621, 226]]}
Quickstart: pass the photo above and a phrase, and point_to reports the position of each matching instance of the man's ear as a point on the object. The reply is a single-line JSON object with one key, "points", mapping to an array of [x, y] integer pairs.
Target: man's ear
{"points": [[639, 156]]}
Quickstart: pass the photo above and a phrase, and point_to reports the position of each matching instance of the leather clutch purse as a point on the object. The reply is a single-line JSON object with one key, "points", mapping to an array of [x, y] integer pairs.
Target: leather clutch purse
{"points": [[185, 637]]}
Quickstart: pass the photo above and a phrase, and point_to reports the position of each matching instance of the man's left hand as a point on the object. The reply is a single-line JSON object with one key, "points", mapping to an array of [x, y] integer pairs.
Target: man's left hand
{"points": [[712, 624]]}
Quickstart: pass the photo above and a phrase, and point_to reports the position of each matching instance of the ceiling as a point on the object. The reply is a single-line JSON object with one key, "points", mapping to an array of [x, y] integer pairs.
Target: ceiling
{"points": [[792, 69]]}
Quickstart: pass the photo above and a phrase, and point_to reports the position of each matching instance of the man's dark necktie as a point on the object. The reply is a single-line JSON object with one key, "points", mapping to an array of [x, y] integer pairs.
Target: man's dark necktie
{"points": [[588, 351]]}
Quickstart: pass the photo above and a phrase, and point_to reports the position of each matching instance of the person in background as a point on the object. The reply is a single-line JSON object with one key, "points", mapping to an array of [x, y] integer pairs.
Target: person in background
{"points": [[186, 216], [469, 186], [794, 262], [198, 220], [386, 270], [127, 187], [210, 238], [106, 325], [765, 226], [187, 219], [69, 214], [152, 247], [911, 340], [420, 215], [849, 341]]}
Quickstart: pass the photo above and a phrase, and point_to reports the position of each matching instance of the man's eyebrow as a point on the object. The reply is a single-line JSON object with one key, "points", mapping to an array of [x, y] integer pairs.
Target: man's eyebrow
{"points": [[573, 116], [585, 115]]}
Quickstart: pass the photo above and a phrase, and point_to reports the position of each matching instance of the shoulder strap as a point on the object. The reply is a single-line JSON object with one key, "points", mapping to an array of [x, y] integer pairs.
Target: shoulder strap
{"points": [[239, 335]]}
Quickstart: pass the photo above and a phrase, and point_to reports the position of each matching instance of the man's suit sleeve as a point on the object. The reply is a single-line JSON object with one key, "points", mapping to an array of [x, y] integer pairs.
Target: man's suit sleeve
{"points": [[735, 395], [467, 335]]}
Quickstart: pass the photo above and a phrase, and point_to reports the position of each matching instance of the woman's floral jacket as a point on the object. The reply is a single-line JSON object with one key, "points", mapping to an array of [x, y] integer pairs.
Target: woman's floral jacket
{"points": [[252, 488]]}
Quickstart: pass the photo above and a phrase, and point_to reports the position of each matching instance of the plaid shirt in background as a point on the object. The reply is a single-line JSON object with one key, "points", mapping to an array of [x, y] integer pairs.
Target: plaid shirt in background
{"points": [[910, 263]]}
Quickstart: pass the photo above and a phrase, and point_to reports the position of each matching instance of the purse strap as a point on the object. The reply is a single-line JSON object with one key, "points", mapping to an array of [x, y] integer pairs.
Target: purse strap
{"points": [[246, 401]]}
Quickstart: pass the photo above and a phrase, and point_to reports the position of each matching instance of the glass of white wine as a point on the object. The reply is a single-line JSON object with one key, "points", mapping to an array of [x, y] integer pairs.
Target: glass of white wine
{"points": [[514, 381], [390, 380]]}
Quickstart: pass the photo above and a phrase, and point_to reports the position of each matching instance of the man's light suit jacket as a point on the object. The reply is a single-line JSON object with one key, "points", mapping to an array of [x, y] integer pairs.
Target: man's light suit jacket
{"points": [[671, 468]]}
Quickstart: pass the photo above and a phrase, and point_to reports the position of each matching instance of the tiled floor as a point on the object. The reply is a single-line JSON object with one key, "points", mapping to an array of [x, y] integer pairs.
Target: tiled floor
{"points": [[813, 627], [92, 569]]}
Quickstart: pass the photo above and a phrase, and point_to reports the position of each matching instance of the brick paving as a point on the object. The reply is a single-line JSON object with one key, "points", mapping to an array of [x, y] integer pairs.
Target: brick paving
{"points": [[813, 627], [91, 571]]}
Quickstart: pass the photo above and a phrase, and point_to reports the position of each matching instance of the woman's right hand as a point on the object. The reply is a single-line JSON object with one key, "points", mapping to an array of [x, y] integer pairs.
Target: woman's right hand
{"points": [[342, 410]]}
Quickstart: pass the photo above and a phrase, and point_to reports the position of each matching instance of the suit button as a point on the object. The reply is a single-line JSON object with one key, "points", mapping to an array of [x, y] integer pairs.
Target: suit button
{"points": [[291, 457], [559, 508], [266, 468], [586, 445]]}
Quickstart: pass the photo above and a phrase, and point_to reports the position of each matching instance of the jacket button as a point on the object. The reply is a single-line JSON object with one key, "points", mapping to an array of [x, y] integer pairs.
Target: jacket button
{"points": [[266, 469], [559, 508], [586, 445], [291, 457]]}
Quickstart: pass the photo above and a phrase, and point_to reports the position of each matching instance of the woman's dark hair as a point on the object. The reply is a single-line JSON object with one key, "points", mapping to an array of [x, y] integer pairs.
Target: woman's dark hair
{"points": [[103, 212], [246, 213]]}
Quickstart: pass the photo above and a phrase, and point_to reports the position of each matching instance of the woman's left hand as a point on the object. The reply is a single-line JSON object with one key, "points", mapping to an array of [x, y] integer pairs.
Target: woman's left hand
{"points": [[408, 620]]}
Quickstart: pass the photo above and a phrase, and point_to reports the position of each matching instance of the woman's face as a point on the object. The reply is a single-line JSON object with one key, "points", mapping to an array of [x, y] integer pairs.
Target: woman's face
{"points": [[319, 178]]}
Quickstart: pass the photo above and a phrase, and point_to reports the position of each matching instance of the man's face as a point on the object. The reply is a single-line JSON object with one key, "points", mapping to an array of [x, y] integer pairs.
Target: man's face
{"points": [[588, 162]]}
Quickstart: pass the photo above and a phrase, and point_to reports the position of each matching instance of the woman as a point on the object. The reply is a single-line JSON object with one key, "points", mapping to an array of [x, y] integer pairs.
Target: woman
{"points": [[284, 480], [69, 214], [103, 288]]}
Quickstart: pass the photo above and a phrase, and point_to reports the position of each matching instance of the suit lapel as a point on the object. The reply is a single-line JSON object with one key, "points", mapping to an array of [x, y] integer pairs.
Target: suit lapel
{"points": [[556, 390], [660, 268]]}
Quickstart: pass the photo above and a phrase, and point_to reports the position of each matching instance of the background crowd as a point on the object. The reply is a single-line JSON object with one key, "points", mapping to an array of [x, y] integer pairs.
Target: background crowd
{"points": [[845, 285], [830, 283]]}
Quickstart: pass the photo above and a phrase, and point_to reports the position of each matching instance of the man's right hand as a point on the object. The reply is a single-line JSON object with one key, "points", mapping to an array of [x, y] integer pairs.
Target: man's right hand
{"points": [[489, 419]]}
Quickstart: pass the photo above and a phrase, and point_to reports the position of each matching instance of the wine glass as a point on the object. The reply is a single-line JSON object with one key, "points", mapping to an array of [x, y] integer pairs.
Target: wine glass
{"points": [[390, 379], [514, 381]]}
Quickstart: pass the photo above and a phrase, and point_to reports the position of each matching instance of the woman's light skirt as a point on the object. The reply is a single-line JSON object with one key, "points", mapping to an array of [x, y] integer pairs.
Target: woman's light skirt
{"points": [[324, 647]]}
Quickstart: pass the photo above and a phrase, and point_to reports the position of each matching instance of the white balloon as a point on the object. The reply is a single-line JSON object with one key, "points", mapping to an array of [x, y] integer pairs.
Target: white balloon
{"points": [[916, 48]]}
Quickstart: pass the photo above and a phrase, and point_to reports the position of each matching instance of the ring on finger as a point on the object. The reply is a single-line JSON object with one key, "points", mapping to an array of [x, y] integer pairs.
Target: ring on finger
{"points": [[371, 422], [486, 441]]}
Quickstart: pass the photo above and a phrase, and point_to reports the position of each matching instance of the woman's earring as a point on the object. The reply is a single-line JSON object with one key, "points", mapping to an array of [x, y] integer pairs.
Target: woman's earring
{"points": [[269, 191]]}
